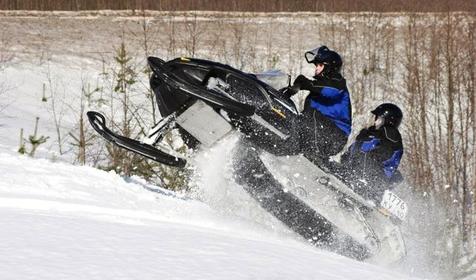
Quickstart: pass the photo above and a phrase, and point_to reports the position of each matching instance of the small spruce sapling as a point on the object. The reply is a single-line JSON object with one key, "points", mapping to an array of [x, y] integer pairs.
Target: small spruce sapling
{"points": [[34, 140]]}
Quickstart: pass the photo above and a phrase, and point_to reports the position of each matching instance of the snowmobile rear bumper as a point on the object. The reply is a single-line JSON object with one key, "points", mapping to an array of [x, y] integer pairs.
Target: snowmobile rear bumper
{"points": [[334, 201]]}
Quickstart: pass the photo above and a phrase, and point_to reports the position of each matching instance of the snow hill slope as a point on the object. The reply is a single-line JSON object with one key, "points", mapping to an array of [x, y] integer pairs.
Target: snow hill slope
{"points": [[59, 221]]}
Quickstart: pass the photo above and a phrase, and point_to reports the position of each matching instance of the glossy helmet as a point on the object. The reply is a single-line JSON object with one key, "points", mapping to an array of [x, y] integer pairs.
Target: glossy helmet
{"points": [[323, 55], [391, 113]]}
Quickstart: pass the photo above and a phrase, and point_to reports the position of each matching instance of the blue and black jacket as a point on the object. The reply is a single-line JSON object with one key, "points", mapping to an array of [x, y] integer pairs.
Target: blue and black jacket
{"points": [[374, 159], [328, 95]]}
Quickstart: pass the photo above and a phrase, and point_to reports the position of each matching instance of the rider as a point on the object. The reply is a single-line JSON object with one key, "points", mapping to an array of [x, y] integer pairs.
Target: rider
{"points": [[327, 108], [373, 159]]}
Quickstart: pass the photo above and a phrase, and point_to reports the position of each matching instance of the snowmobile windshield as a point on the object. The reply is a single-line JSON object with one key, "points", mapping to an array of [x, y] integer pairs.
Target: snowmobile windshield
{"points": [[311, 55], [275, 78]]}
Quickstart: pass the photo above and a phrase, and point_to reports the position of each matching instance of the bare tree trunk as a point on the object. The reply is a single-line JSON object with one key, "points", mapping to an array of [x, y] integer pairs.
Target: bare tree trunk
{"points": [[450, 95]]}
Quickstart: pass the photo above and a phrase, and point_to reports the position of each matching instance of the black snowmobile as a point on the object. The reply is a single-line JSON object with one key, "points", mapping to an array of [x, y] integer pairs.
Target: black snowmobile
{"points": [[208, 100]]}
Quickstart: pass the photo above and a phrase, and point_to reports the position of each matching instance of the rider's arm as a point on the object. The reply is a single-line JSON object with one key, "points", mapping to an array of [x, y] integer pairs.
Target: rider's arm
{"points": [[365, 133], [321, 87]]}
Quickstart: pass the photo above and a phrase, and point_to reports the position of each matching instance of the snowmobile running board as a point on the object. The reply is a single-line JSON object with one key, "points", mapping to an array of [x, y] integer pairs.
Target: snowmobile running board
{"points": [[98, 122]]}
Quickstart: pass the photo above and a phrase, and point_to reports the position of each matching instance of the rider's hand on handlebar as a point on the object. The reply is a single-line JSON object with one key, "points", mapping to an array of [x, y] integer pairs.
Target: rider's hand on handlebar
{"points": [[288, 91]]}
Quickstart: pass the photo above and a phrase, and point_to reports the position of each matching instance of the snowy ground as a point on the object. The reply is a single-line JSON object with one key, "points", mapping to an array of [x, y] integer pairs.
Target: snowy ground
{"points": [[66, 222]]}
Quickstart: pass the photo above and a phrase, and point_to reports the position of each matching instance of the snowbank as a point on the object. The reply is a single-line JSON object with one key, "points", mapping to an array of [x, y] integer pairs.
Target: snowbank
{"points": [[65, 222]]}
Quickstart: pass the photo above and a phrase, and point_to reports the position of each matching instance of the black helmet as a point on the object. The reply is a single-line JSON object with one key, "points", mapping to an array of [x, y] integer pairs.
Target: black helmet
{"points": [[331, 59], [390, 112]]}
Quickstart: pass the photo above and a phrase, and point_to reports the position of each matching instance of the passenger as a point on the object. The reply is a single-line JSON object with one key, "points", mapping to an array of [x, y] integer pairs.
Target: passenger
{"points": [[370, 165]]}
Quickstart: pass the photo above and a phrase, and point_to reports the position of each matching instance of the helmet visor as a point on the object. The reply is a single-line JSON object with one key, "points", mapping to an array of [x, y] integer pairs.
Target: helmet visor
{"points": [[311, 55]]}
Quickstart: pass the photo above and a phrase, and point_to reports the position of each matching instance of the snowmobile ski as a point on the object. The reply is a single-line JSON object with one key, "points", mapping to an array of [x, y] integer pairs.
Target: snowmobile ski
{"points": [[98, 122]]}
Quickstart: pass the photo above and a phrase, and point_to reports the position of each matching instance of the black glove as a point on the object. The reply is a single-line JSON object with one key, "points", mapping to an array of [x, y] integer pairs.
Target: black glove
{"points": [[301, 82], [287, 92]]}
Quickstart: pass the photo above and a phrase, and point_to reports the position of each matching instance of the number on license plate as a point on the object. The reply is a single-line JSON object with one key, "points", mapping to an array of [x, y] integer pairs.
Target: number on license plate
{"points": [[393, 204]]}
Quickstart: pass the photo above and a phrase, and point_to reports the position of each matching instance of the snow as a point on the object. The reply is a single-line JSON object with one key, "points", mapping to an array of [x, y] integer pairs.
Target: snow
{"points": [[59, 221], [66, 222]]}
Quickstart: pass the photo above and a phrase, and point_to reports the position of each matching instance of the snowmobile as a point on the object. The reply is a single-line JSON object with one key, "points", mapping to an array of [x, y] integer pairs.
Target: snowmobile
{"points": [[207, 101]]}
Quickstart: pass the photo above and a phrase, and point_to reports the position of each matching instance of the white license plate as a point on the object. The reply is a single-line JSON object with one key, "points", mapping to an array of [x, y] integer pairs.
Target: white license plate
{"points": [[395, 205]]}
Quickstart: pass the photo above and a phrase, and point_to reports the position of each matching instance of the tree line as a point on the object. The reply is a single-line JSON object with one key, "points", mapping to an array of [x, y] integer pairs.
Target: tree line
{"points": [[244, 5]]}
